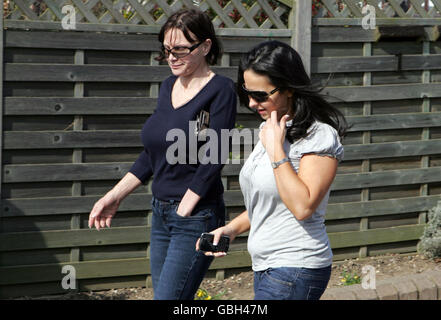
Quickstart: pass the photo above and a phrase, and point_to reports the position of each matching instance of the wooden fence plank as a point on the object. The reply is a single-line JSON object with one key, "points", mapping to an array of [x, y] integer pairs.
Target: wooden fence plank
{"points": [[76, 40], [394, 121], [61, 72], [375, 236], [69, 205], [79, 106], [354, 64], [344, 34], [375, 63], [84, 270], [73, 238], [392, 149], [111, 41], [382, 92], [95, 73], [233, 198], [84, 171], [101, 269], [421, 62], [336, 211], [70, 139], [386, 178], [64, 172], [380, 178]]}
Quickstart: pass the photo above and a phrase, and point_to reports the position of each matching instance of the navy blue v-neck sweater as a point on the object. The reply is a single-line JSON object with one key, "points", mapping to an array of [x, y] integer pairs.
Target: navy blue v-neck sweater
{"points": [[171, 181]]}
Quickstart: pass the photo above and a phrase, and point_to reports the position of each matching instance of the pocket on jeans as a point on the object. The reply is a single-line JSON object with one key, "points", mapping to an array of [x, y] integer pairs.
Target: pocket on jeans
{"points": [[316, 273], [199, 214], [274, 285], [314, 293], [278, 276]]}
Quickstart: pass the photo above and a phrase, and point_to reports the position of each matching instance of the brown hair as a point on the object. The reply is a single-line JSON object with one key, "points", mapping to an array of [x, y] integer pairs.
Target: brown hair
{"points": [[197, 22]]}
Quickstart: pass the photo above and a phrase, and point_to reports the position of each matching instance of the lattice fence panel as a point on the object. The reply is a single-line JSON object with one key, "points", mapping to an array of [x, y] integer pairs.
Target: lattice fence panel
{"points": [[261, 14], [383, 8]]}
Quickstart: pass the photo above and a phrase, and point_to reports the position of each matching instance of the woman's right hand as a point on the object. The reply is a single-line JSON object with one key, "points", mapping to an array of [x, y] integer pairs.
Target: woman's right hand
{"points": [[103, 211], [222, 231]]}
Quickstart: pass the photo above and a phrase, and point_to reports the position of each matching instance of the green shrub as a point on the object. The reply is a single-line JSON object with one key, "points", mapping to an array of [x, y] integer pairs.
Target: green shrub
{"points": [[430, 244]]}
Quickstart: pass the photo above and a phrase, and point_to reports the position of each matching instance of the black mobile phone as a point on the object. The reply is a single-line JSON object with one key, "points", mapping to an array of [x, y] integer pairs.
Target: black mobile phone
{"points": [[206, 243]]}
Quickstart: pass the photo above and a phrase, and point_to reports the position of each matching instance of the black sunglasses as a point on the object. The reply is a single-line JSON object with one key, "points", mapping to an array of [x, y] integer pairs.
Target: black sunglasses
{"points": [[259, 96], [179, 52]]}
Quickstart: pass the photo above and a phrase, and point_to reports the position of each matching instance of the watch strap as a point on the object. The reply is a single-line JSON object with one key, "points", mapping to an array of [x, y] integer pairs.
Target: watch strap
{"points": [[278, 163]]}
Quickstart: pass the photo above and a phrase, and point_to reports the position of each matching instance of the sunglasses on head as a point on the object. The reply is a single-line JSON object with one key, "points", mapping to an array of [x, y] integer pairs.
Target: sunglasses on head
{"points": [[259, 96]]}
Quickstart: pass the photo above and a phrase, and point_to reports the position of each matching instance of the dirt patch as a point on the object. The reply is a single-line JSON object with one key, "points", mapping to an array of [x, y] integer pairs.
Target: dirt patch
{"points": [[239, 286]]}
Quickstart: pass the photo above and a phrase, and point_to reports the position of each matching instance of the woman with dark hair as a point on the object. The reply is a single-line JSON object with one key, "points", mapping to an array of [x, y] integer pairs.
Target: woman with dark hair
{"points": [[187, 195], [286, 180]]}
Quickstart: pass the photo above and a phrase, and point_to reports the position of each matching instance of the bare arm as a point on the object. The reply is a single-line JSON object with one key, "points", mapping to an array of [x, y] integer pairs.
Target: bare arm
{"points": [[106, 207], [238, 225], [302, 192], [125, 186]]}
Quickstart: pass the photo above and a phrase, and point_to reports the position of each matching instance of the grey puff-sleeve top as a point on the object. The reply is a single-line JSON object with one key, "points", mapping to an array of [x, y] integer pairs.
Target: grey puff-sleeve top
{"points": [[277, 238]]}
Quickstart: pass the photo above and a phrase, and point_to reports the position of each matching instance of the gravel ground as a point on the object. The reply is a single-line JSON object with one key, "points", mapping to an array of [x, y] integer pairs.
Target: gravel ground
{"points": [[240, 285]]}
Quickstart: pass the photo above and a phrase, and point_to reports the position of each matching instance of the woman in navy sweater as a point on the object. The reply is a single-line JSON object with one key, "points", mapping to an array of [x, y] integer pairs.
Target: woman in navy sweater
{"points": [[187, 194]]}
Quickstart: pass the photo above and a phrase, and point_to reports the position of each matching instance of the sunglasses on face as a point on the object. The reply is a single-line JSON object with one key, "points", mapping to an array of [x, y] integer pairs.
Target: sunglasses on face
{"points": [[179, 52], [259, 96]]}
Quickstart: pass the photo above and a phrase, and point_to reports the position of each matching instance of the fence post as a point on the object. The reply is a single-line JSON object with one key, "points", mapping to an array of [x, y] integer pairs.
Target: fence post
{"points": [[301, 23], [77, 157], [1, 109]]}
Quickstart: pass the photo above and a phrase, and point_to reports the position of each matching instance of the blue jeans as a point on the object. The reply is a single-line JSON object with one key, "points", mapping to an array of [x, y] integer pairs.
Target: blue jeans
{"points": [[288, 283], [177, 269]]}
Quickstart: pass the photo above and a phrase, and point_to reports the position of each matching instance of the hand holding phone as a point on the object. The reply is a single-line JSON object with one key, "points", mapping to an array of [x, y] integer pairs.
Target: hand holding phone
{"points": [[206, 243]]}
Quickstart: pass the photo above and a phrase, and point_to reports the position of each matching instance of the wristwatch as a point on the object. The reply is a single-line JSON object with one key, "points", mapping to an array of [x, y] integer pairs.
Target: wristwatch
{"points": [[278, 163]]}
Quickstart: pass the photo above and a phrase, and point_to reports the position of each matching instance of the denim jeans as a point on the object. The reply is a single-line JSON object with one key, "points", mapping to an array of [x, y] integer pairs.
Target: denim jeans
{"points": [[288, 283], [177, 268]]}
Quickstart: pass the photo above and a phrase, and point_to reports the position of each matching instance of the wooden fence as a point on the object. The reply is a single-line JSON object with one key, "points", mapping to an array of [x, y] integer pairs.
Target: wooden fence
{"points": [[73, 103]]}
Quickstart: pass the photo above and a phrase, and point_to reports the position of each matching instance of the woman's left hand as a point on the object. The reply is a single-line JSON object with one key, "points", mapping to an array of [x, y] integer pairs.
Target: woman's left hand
{"points": [[272, 135], [187, 204]]}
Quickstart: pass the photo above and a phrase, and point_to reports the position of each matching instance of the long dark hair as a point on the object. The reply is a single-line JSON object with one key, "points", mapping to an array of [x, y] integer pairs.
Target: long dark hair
{"points": [[284, 68], [199, 23]]}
